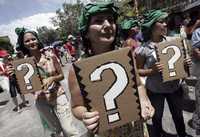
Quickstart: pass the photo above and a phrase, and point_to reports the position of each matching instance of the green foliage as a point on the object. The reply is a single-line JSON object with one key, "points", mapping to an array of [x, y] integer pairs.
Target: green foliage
{"points": [[67, 19], [47, 36], [127, 9]]}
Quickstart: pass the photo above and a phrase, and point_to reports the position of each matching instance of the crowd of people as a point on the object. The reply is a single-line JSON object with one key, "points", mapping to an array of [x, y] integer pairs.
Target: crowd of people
{"points": [[99, 34]]}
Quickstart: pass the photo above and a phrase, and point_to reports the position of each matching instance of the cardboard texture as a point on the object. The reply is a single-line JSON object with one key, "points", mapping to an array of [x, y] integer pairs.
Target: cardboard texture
{"points": [[107, 82], [27, 75], [172, 54]]}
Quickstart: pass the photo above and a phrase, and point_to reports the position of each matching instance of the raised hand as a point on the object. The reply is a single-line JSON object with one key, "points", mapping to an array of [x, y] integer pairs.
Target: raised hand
{"points": [[91, 120]]}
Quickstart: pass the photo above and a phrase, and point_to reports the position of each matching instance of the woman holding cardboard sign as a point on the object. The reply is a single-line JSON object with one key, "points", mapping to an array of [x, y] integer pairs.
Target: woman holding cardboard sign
{"points": [[154, 29], [51, 102], [98, 30]]}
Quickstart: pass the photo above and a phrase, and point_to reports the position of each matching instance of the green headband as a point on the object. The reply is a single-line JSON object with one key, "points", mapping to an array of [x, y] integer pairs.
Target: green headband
{"points": [[153, 16], [91, 9], [22, 31], [130, 23]]}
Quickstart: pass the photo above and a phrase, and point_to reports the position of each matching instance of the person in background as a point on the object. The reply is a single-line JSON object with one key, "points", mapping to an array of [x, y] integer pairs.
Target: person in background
{"points": [[175, 23], [196, 72], [51, 102], [154, 29], [4, 81], [99, 32], [13, 83], [193, 24], [56, 50], [130, 29], [70, 47]]}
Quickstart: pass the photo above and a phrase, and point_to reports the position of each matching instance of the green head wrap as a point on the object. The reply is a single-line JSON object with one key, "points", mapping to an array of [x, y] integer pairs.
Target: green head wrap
{"points": [[18, 31], [153, 16], [150, 18], [130, 23], [93, 8], [22, 31]]}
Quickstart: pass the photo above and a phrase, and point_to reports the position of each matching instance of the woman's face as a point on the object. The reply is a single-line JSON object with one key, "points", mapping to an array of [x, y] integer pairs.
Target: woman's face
{"points": [[102, 30], [30, 41], [160, 28]]}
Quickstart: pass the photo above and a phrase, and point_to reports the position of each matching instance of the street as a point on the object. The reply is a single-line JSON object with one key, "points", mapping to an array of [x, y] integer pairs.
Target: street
{"points": [[27, 123]]}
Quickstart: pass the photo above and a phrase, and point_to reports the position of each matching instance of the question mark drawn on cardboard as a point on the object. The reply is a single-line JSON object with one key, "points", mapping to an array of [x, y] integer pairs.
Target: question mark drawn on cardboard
{"points": [[173, 59], [115, 90], [28, 75]]}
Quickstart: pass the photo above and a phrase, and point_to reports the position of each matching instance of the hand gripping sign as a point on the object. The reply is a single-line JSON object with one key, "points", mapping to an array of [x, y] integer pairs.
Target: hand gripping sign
{"points": [[27, 75], [172, 54], [108, 84]]}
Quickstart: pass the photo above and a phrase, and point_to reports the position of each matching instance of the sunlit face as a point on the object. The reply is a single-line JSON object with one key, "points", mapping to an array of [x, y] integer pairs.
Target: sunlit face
{"points": [[30, 41], [160, 28], [102, 30]]}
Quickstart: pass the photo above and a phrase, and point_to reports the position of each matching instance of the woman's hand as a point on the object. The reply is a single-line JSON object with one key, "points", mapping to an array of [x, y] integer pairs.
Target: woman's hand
{"points": [[47, 82], [91, 120], [196, 53], [157, 67], [147, 110], [36, 94], [187, 65], [188, 62], [10, 70]]}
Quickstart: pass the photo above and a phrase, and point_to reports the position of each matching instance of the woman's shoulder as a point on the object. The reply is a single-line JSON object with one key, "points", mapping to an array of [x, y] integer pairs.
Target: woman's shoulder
{"points": [[196, 32]]}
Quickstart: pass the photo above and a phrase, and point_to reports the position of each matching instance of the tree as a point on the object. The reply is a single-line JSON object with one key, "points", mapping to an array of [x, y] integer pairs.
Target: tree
{"points": [[67, 19], [130, 8], [47, 35]]}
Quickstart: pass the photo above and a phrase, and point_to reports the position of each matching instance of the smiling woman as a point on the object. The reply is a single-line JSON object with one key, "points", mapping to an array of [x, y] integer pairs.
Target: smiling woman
{"points": [[98, 30], [51, 101]]}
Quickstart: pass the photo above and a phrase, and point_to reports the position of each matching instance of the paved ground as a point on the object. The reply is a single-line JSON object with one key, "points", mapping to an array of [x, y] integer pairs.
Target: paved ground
{"points": [[27, 123], [189, 106]]}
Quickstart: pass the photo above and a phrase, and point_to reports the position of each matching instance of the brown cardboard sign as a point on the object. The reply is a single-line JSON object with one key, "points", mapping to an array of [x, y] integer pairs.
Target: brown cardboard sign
{"points": [[108, 85], [171, 54], [27, 75]]}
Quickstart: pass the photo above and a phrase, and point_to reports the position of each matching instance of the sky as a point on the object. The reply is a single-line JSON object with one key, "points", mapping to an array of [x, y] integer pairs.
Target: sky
{"points": [[27, 13]]}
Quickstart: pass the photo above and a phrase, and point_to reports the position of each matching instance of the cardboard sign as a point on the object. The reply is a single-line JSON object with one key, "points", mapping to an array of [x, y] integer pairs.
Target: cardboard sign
{"points": [[27, 75], [108, 84], [171, 54]]}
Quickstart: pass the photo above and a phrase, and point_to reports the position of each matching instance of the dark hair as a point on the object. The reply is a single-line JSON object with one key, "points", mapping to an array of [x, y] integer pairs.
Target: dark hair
{"points": [[172, 21], [194, 16], [86, 42], [147, 32], [20, 42]]}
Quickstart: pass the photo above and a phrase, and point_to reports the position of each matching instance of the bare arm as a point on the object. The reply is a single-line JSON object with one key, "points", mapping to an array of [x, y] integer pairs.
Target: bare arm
{"points": [[196, 53], [78, 108], [140, 65], [147, 110], [90, 119], [140, 60]]}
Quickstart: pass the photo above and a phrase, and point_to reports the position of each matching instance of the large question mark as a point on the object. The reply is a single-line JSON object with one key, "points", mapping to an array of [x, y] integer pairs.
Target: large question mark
{"points": [[115, 90], [175, 57], [28, 75]]}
